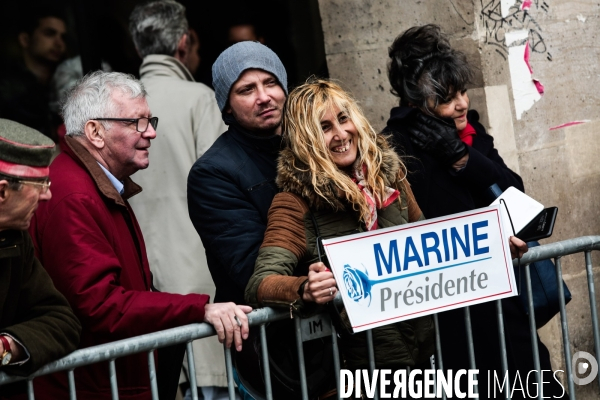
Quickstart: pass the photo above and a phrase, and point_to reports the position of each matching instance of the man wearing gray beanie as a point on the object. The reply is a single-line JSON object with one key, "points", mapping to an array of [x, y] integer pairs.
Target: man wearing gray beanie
{"points": [[231, 187]]}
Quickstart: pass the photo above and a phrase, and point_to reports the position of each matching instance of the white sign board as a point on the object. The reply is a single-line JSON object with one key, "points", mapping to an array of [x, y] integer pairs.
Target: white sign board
{"points": [[416, 269]]}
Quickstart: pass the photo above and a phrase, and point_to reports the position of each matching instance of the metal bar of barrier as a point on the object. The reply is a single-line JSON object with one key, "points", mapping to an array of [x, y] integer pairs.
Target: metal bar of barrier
{"points": [[152, 374], [112, 372], [111, 351], [301, 365], [371, 354], [558, 249], [229, 368], [192, 370], [118, 349], [533, 330], [72, 392], [470, 345], [439, 362], [265, 360], [469, 331], [502, 339], [565, 328], [30, 394], [593, 309], [139, 344], [336, 358]]}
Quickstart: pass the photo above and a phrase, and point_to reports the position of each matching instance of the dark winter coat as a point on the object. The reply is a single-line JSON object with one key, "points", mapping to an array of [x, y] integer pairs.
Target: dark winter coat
{"points": [[440, 191], [31, 309], [290, 247], [230, 190]]}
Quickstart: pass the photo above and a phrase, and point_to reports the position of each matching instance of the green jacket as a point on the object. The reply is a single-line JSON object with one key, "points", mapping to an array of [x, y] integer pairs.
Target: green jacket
{"points": [[290, 247], [31, 309]]}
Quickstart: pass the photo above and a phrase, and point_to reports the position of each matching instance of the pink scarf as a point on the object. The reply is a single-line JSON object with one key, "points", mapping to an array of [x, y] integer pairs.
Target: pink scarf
{"points": [[374, 205]]}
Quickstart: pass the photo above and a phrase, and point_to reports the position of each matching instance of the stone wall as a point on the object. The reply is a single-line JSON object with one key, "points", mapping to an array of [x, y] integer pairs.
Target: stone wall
{"points": [[559, 166]]}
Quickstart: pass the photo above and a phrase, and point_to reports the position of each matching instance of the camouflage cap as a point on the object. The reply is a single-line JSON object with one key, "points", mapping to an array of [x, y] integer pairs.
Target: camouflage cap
{"points": [[24, 151]]}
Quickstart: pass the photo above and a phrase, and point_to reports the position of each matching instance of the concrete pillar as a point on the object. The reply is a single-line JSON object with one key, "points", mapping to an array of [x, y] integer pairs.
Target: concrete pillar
{"points": [[560, 166]]}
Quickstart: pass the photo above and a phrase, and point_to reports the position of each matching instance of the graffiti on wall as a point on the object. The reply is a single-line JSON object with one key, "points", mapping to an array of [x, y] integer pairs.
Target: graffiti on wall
{"points": [[497, 19]]}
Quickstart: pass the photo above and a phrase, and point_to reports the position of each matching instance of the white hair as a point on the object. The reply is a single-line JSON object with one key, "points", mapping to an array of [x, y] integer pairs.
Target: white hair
{"points": [[91, 98], [157, 27]]}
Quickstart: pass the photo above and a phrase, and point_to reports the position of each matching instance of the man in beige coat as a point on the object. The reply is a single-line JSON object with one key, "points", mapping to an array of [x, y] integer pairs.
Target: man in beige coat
{"points": [[190, 121]]}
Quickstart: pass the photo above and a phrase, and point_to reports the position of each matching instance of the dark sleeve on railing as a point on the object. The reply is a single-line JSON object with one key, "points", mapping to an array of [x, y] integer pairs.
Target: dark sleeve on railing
{"points": [[111, 300], [44, 322]]}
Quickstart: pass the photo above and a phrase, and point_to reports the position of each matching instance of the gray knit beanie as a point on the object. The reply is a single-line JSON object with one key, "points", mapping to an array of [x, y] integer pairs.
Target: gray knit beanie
{"points": [[240, 57]]}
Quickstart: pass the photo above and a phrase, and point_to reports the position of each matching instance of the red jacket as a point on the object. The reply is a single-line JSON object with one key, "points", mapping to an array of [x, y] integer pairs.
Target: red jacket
{"points": [[90, 243]]}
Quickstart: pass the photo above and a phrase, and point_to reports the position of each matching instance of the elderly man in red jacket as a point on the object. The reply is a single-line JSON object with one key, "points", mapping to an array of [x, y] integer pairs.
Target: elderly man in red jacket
{"points": [[90, 243]]}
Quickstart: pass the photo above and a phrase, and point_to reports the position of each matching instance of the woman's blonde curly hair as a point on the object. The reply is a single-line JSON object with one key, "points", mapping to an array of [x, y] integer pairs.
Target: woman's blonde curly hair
{"points": [[304, 109]]}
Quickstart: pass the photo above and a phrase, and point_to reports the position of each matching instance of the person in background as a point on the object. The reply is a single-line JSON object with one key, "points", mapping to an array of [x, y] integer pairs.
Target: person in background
{"points": [[452, 162], [242, 31], [193, 61], [99, 261], [24, 85], [37, 324], [190, 123]]}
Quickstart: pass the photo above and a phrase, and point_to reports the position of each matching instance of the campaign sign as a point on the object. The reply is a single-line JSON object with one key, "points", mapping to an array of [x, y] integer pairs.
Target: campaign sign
{"points": [[421, 268]]}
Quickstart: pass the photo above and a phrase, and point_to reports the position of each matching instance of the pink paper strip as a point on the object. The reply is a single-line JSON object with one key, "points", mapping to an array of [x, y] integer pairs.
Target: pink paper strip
{"points": [[526, 56], [526, 5], [538, 84], [569, 124]]}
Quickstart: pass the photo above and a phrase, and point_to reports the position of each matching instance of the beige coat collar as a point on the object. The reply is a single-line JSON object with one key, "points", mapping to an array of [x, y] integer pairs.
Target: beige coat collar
{"points": [[161, 65]]}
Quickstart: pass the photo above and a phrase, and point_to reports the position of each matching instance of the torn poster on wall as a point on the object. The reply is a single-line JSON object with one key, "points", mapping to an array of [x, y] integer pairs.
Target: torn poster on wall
{"points": [[526, 90], [526, 5], [505, 6], [500, 16]]}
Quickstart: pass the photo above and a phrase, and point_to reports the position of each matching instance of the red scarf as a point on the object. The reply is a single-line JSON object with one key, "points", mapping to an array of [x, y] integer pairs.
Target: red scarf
{"points": [[467, 134], [389, 196]]}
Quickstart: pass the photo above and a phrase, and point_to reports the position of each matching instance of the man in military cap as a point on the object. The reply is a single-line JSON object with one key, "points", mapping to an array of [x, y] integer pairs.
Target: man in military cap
{"points": [[37, 324]]}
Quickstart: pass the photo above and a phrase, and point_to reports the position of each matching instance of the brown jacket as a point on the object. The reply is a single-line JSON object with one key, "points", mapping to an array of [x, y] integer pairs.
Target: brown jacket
{"points": [[290, 247]]}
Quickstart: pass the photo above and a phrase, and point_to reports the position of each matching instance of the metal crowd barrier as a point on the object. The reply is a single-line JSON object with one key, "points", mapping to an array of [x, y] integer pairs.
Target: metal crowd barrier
{"points": [[186, 334]]}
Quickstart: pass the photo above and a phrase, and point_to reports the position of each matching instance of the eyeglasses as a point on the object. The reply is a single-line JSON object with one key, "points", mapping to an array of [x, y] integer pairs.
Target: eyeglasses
{"points": [[43, 185], [141, 124]]}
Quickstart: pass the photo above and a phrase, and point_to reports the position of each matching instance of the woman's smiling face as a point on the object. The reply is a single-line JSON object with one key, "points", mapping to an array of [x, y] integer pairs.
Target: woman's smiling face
{"points": [[341, 136], [455, 108]]}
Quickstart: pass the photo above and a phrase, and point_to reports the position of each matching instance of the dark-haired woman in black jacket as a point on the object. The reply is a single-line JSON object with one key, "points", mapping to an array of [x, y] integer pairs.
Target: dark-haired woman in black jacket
{"points": [[452, 161]]}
